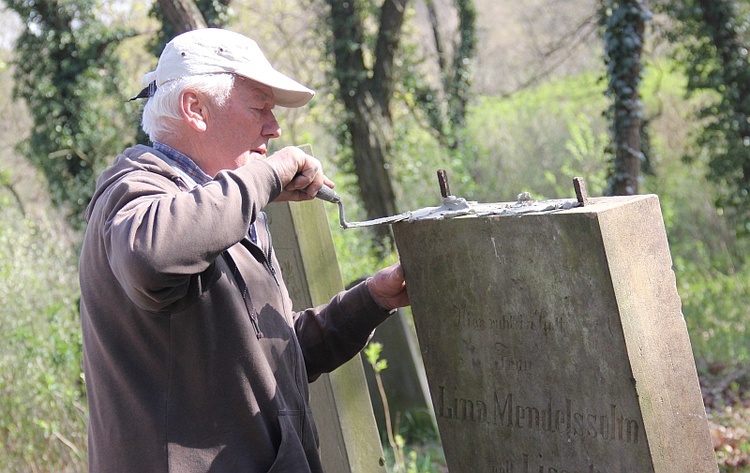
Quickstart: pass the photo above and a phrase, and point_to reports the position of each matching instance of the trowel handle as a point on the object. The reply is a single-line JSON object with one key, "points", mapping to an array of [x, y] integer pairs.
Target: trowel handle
{"points": [[328, 194]]}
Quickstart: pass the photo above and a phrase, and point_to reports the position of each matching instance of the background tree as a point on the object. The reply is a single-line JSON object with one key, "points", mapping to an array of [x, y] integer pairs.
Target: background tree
{"points": [[368, 71], [67, 71], [179, 16], [366, 91], [712, 40], [446, 107], [624, 26]]}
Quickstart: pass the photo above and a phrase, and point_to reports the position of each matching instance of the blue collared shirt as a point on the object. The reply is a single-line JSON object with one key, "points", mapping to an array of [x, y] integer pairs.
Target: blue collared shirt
{"points": [[188, 166], [185, 164]]}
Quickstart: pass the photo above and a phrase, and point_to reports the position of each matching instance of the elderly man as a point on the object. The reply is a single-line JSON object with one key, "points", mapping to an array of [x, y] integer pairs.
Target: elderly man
{"points": [[194, 360]]}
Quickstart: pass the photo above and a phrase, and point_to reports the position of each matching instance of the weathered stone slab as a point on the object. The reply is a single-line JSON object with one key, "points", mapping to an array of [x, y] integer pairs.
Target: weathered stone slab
{"points": [[554, 342]]}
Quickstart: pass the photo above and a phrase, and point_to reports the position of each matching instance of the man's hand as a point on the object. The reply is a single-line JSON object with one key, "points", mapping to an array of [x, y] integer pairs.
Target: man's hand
{"points": [[301, 175], [388, 287]]}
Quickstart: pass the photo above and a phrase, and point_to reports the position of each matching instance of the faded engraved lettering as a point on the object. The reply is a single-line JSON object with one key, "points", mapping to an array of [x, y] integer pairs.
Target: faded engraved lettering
{"points": [[564, 418], [612, 426], [510, 363], [460, 408], [538, 464], [537, 322]]}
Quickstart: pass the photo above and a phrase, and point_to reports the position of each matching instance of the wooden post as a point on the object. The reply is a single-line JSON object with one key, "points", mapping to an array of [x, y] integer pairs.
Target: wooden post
{"points": [[349, 440]]}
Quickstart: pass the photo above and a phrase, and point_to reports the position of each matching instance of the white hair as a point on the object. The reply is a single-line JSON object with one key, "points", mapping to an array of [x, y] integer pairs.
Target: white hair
{"points": [[161, 113]]}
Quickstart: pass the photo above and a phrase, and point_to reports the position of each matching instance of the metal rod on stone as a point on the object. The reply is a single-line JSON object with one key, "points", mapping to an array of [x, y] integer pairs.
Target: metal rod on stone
{"points": [[581, 194], [445, 189]]}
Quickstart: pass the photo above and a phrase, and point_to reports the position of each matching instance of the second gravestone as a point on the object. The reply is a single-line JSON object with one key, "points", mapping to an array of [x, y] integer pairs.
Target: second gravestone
{"points": [[554, 342]]}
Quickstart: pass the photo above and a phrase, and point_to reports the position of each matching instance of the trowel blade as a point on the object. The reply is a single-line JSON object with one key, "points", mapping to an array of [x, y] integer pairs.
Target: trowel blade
{"points": [[375, 221]]}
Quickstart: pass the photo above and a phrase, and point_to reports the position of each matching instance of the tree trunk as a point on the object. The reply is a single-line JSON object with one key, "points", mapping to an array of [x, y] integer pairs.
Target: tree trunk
{"points": [[366, 93], [367, 99], [183, 15], [625, 29], [371, 131], [628, 158]]}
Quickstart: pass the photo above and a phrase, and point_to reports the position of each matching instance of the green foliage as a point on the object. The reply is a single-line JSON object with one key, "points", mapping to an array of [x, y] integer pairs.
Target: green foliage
{"points": [[68, 73], [42, 404], [420, 457], [712, 281], [7, 185], [712, 45], [716, 307], [372, 353], [538, 140], [417, 156], [442, 101]]}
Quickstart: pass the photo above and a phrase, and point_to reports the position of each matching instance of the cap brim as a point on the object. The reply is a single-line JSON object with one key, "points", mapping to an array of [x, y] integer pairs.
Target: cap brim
{"points": [[287, 91]]}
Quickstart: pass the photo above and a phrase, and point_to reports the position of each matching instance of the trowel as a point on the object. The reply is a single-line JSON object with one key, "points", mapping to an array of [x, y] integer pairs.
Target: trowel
{"points": [[453, 206], [330, 195]]}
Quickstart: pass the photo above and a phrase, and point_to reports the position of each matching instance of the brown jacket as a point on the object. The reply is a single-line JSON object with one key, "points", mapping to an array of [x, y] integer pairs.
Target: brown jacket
{"points": [[183, 374]]}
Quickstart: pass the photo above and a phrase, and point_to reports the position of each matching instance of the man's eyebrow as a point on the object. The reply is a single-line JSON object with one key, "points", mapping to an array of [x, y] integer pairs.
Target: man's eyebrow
{"points": [[260, 96]]}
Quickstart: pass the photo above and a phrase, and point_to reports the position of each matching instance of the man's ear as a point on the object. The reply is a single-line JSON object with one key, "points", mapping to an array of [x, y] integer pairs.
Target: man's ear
{"points": [[193, 110]]}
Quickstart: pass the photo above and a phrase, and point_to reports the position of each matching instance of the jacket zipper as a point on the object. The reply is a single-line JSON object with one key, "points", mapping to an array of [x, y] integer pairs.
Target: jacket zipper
{"points": [[253, 314], [295, 351], [244, 291], [255, 324]]}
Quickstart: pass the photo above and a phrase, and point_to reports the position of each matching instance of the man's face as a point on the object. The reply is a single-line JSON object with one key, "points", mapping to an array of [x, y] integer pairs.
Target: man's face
{"points": [[243, 125]]}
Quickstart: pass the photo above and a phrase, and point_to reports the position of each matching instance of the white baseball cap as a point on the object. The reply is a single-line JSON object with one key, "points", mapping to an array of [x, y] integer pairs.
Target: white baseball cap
{"points": [[213, 50]]}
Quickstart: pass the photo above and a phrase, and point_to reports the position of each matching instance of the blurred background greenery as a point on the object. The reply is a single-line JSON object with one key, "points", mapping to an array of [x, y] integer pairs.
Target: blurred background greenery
{"points": [[538, 112]]}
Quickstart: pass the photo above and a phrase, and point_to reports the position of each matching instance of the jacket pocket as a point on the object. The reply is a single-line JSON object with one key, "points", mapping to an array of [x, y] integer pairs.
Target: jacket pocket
{"points": [[294, 455]]}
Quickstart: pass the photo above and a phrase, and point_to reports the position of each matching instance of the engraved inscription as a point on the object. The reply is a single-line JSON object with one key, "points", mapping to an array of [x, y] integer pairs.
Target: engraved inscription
{"points": [[564, 418], [460, 408], [613, 426], [505, 362], [537, 322], [538, 464]]}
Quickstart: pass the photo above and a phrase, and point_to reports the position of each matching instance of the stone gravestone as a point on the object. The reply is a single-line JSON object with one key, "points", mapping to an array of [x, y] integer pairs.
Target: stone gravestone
{"points": [[349, 441], [554, 341]]}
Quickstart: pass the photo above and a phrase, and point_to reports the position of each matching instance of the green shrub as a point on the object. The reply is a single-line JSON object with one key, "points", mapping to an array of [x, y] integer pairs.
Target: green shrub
{"points": [[42, 404], [717, 309], [539, 139]]}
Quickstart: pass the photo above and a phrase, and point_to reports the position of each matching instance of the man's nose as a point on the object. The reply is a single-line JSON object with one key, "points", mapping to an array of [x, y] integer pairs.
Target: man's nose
{"points": [[271, 126]]}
